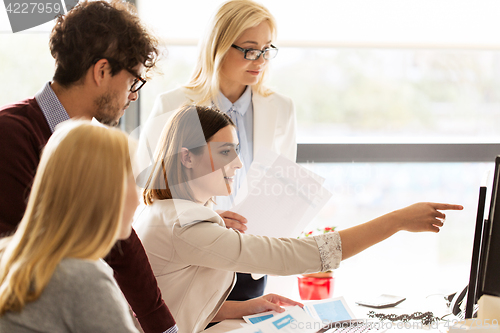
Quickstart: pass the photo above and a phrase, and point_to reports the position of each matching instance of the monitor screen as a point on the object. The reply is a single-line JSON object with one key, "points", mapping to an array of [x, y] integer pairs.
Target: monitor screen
{"points": [[485, 264], [490, 273], [472, 292]]}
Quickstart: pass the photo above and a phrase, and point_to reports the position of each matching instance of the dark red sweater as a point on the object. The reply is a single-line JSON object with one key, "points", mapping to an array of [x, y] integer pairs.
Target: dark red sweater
{"points": [[23, 134]]}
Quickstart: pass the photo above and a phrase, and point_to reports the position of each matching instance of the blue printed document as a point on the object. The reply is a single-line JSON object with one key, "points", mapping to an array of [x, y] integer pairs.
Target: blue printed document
{"points": [[257, 318], [311, 318], [329, 310], [293, 320]]}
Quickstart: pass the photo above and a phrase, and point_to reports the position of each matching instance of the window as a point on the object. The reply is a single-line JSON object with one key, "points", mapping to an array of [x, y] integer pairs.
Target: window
{"points": [[392, 95], [25, 63]]}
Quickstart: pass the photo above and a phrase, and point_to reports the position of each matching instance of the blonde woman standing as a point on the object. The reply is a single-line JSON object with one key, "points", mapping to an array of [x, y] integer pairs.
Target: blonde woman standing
{"points": [[230, 73], [83, 199]]}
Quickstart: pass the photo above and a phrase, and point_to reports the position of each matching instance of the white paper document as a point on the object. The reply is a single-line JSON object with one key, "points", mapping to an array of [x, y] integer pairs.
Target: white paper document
{"points": [[314, 316], [257, 318], [293, 320], [329, 310], [279, 197]]}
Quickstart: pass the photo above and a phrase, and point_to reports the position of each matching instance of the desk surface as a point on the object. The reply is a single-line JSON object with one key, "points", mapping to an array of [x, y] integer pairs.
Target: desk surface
{"points": [[433, 303], [361, 312]]}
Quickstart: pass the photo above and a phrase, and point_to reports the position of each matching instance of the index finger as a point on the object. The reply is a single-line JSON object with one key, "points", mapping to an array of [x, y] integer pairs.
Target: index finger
{"points": [[286, 301], [442, 206]]}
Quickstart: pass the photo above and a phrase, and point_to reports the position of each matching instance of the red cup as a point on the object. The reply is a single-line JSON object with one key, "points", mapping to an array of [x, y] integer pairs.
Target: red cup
{"points": [[311, 288]]}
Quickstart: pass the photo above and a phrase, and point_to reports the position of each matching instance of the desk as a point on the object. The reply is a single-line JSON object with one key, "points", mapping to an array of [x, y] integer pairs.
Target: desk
{"points": [[433, 303]]}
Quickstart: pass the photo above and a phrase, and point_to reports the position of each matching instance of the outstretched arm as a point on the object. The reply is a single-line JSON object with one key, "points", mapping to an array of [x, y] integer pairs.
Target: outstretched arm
{"points": [[419, 217]]}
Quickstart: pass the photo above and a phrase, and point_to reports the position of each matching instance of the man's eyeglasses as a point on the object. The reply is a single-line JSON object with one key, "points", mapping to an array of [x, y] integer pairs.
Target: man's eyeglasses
{"points": [[138, 83], [252, 54]]}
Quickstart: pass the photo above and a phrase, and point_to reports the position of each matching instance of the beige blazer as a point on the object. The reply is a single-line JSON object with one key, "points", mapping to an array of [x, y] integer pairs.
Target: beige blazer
{"points": [[274, 127], [194, 257]]}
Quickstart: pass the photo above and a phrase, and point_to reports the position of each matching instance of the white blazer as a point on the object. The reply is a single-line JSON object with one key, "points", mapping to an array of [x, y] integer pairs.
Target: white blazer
{"points": [[274, 123]]}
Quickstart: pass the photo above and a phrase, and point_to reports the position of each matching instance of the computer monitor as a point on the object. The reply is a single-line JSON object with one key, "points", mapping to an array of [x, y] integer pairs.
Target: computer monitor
{"points": [[485, 264], [490, 273], [472, 291]]}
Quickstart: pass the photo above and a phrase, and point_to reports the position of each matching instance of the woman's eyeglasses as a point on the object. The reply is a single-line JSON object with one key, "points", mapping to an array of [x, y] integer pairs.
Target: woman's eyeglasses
{"points": [[252, 54]]}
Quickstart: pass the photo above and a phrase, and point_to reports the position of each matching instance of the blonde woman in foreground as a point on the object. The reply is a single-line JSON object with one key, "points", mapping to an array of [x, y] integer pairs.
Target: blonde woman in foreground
{"points": [[82, 201], [194, 256]]}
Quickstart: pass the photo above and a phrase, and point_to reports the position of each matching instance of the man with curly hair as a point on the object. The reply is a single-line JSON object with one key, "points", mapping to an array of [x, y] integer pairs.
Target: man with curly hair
{"points": [[101, 52]]}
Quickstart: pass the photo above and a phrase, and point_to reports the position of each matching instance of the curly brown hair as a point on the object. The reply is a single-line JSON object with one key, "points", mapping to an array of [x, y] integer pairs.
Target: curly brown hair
{"points": [[93, 30]]}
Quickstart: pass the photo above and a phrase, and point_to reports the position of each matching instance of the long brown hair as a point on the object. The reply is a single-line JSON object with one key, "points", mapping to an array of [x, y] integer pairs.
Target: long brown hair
{"points": [[191, 127]]}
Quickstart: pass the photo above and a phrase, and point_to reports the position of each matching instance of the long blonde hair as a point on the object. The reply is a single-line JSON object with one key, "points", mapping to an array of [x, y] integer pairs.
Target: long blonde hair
{"points": [[74, 210], [230, 21]]}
